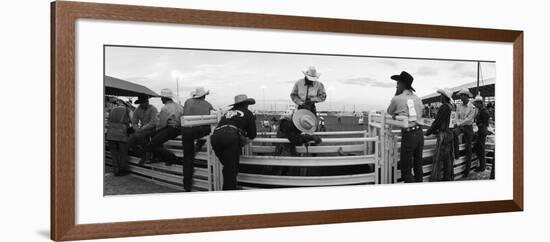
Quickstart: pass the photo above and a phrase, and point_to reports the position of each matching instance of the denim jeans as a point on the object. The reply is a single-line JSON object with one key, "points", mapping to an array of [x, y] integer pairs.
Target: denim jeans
{"points": [[189, 135], [479, 148], [468, 132], [156, 144], [138, 140], [225, 143], [412, 145], [119, 156]]}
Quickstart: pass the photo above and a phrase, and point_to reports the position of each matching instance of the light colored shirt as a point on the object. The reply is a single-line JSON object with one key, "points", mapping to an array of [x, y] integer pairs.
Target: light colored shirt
{"points": [[170, 111], [196, 106], [315, 92], [399, 106], [465, 114], [144, 118]]}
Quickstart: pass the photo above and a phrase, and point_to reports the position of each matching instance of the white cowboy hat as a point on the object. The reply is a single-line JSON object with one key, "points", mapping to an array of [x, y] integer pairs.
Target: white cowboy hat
{"points": [[312, 73], [242, 98], [464, 91], [166, 93], [199, 92], [445, 92], [478, 98], [305, 121]]}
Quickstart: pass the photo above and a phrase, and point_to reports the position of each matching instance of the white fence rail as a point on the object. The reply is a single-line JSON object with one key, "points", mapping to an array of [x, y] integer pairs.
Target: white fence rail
{"points": [[375, 151]]}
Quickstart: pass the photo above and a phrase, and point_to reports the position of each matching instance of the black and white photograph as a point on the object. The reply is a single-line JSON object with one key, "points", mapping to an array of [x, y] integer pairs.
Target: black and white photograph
{"points": [[191, 120]]}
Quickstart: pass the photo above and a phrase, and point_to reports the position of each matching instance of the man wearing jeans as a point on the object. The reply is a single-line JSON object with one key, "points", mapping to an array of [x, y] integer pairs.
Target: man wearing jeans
{"points": [[482, 122], [144, 121], [406, 103], [465, 118], [168, 128], [196, 105]]}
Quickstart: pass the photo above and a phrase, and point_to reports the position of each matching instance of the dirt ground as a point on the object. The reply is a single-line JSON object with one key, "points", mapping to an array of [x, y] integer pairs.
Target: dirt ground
{"points": [[485, 175], [124, 185], [134, 185]]}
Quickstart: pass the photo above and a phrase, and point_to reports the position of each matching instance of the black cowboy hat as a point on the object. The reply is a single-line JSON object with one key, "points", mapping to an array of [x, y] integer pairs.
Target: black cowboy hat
{"points": [[405, 78], [243, 98], [141, 99]]}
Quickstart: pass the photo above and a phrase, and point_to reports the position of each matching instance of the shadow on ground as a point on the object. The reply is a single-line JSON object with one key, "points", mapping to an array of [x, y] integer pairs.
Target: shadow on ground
{"points": [[125, 185]]}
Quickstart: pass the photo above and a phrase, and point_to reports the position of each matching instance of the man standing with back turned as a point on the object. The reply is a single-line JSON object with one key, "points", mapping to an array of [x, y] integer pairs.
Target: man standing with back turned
{"points": [[406, 103], [196, 105]]}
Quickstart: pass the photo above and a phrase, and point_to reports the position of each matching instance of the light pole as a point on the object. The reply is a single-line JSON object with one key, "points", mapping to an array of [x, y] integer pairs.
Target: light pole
{"points": [[263, 87]]}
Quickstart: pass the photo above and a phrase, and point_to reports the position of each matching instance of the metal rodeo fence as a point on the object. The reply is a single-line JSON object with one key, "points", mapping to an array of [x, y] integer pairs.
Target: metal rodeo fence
{"points": [[343, 158], [387, 128]]}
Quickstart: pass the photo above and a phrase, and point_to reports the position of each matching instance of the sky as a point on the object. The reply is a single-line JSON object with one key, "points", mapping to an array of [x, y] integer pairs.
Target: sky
{"points": [[351, 82]]}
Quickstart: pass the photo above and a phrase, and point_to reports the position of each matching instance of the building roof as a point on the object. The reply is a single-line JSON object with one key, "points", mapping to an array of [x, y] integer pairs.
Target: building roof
{"points": [[486, 89], [119, 87]]}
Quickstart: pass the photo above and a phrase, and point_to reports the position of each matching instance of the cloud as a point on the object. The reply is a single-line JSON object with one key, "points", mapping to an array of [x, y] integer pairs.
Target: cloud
{"points": [[458, 66], [367, 81], [389, 63], [176, 74], [426, 71], [467, 74]]}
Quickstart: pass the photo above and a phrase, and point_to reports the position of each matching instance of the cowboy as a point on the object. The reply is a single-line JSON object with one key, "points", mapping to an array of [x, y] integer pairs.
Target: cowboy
{"points": [[465, 114], [298, 128], [236, 127], [144, 121], [444, 144], [482, 122], [118, 124], [322, 126], [308, 90], [196, 105], [168, 127], [406, 103]]}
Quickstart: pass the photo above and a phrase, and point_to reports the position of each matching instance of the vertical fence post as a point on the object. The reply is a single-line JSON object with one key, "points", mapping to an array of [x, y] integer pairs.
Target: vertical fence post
{"points": [[383, 148], [209, 164]]}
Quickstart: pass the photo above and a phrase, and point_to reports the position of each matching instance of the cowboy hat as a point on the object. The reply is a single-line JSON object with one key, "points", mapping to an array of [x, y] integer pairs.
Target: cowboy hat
{"points": [[305, 121], [199, 92], [446, 93], [405, 78], [311, 73], [478, 98], [464, 91], [141, 99], [166, 93], [242, 98]]}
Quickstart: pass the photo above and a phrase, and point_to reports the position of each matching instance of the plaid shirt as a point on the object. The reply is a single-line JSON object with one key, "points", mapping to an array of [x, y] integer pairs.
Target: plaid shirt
{"points": [[315, 92]]}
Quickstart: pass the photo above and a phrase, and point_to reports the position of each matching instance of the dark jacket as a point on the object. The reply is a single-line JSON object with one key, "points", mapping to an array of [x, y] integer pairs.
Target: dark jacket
{"points": [[288, 130], [482, 120], [242, 118], [442, 120]]}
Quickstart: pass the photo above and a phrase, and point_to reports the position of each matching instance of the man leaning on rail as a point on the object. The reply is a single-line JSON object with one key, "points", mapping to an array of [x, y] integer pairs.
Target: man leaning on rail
{"points": [[406, 103], [144, 121], [236, 127], [196, 105], [443, 155], [168, 128]]}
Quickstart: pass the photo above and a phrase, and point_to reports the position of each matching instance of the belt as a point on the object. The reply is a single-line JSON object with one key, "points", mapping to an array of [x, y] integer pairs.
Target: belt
{"points": [[413, 128], [228, 126]]}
